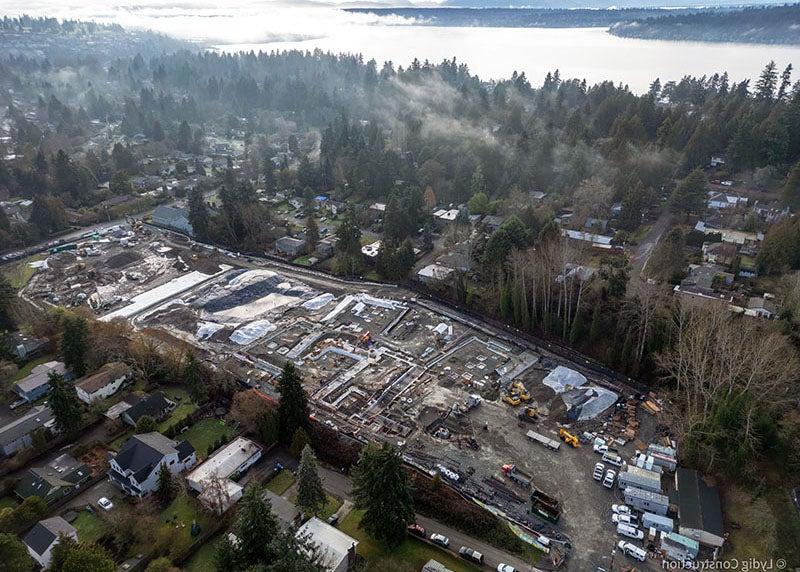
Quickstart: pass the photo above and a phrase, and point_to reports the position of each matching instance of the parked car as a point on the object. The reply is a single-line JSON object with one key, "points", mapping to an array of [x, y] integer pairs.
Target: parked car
{"points": [[624, 519], [17, 403], [470, 554], [599, 469], [599, 446], [608, 481], [416, 530], [621, 509], [629, 531], [105, 503], [333, 519], [440, 539], [796, 498], [630, 549], [612, 459], [505, 568]]}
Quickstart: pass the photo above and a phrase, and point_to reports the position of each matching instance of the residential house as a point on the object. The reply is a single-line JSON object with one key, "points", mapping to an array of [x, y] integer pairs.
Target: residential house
{"points": [[596, 224], [43, 537], [717, 161], [135, 468], [37, 383], [116, 410], [719, 201], [55, 480], [26, 347], [723, 253], [446, 215], [336, 550], [104, 383], [325, 247], [290, 246], [699, 509], [596, 240], [492, 222], [761, 307], [434, 566], [703, 281], [433, 273], [173, 218], [156, 406], [214, 479], [18, 434], [537, 195]]}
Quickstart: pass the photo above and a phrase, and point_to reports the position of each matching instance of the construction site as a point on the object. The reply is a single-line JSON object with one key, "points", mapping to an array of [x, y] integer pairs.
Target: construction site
{"points": [[506, 422]]}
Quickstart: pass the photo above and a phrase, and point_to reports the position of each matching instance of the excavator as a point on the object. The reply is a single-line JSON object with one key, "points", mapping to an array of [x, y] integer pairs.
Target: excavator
{"points": [[568, 438], [516, 394], [529, 414]]}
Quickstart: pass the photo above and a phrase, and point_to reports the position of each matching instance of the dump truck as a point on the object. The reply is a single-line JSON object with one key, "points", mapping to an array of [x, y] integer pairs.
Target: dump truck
{"points": [[517, 475], [542, 440], [545, 506], [568, 438]]}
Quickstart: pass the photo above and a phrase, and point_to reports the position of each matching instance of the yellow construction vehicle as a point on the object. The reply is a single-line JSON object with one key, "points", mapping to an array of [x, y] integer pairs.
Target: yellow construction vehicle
{"points": [[568, 438], [520, 391], [530, 414], [511, 399]]}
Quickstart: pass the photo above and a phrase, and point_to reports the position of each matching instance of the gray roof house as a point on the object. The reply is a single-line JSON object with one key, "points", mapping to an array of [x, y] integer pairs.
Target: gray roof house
{"points": [[699, 509], [37, 383], [18, 434], [135, 468], [55, 480], [44, 536], [290, 246], [156, 406], [174, 218]]}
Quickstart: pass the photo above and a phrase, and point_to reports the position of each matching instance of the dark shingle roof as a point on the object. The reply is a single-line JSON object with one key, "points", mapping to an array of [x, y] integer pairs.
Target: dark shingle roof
{"points": [[143, 453], [698, 504], [45, 532], [34, 419], [108, 373], [64, 471], [152, 405]]}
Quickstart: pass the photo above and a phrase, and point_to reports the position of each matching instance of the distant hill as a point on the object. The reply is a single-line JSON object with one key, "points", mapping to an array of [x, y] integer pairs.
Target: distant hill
{"points": [[762, 25], [595, 4], [522, 17]]}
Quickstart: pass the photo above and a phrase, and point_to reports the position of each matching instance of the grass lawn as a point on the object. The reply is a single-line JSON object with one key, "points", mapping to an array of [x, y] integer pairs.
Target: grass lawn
{"points": [[331, 506], [204, 434], [89, 526], [372, 275], [303, 261], [180, 514], [412, 551], [203, 559], [185, 406], [281, 482], [19, 274], [8, 502], [120, 441]]}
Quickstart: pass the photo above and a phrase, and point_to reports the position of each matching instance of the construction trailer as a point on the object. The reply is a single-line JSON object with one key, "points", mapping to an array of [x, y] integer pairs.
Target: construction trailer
{"points": [[640, 479], [664, 457], [542, 440], [678, 547], [647, 501], [660, 523]]}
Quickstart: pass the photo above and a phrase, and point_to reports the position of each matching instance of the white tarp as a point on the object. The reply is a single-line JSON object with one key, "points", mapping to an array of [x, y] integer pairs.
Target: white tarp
{"points": [[207, 329], [600, 399], [158, 295], [563, 378], [318, 302], [248, 333]]}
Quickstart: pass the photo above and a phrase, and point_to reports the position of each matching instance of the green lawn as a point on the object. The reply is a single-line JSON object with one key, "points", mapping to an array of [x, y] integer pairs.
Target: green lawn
{"points": [[203, 559], [204, 434], [411, 551], [180, 514], [302, 260], [281, 482], [331, 506], [19, 274], [8, 502], [89, 526], [185, 406]]}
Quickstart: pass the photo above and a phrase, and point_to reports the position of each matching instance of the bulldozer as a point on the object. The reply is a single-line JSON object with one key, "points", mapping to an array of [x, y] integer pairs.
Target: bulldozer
{"points": [[568, 438], [516, 394], [529, 414]]}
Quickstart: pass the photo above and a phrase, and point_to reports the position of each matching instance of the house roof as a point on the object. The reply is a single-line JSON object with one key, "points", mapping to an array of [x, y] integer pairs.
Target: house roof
{"points": [[40, 375], [332, 544], [142, 453], [151, 405], [698, 504], [46, 531], [63, 471], [226, 461], [107, 374], [36, 418]]}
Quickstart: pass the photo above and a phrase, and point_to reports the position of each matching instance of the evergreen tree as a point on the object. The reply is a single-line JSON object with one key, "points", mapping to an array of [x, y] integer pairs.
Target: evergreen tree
{"points": [[767, 81], [14, 555], [478, 183], [311, 495], [348, 247], [293, 406], [75, 344], [88, 557], [7, 297], [166, 485], [690, 194], [199, 217], [312, 234], [381, 488], [299, 441], [195, 377], [256, 528], [791, 190], [65, 404], [64, 546], [146, 424]]}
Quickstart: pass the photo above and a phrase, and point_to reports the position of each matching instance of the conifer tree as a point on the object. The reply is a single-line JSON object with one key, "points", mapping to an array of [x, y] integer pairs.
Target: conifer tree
{"points": [[293, 407], [310, 494]]}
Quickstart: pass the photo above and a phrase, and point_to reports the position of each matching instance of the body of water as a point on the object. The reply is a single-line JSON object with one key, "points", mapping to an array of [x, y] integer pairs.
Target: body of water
{"points": [[589, 53]]}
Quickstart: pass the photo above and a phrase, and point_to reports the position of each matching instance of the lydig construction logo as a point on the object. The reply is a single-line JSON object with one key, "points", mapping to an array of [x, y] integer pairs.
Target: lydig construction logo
{"points": [[744, 565]]}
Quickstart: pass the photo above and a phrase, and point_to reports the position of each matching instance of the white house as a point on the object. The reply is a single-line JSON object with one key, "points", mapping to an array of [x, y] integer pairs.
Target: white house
{"points": [[105, 383], [213, 478], [135, 468], [336, 550], [43, 537], [434, 273]]}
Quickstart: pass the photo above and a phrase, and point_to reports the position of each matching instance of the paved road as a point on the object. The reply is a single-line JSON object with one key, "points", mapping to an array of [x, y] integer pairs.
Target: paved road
{"points": [[644, 250]]}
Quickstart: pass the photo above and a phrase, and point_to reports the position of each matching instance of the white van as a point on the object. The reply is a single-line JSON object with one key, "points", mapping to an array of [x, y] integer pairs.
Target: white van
{"points": [[632, 550], [612, 459], [629, 531], [625, 519]]}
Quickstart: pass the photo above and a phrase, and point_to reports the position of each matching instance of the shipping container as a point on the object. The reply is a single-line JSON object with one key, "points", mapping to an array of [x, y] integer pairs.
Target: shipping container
{"points": [[640, 479], [660, 523]]}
